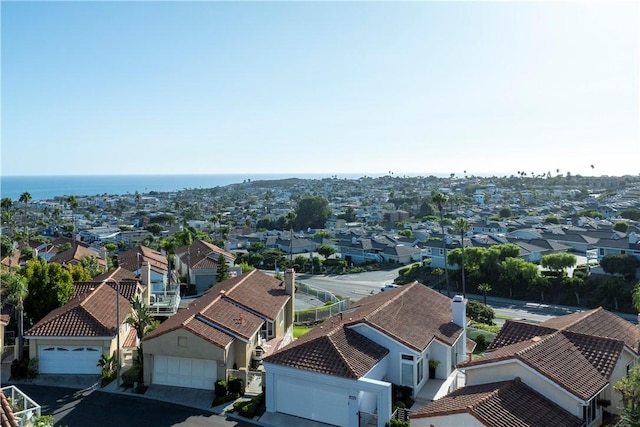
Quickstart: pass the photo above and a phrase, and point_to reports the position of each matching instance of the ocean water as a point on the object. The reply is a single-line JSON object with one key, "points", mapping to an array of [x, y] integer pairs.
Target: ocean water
{"points": [[48, 187]]}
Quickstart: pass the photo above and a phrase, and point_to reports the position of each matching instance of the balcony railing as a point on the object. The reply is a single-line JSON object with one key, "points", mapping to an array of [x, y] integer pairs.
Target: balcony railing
{"points": [[24, 408], [164, 304]]}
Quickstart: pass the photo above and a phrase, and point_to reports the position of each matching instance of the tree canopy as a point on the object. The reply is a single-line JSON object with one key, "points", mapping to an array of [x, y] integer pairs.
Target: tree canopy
{"points": [[558, 261], [312, 212], [50, 287], [624, 265]]}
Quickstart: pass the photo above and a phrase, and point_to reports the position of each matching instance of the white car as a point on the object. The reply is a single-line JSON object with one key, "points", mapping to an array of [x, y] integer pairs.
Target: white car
{"points": [[388, 287]]}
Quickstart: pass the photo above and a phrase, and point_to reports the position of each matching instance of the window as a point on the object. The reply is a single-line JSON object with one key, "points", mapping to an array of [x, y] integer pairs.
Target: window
{"points": [[420, 369], [601, 251], [182, 341], [407, 357]]}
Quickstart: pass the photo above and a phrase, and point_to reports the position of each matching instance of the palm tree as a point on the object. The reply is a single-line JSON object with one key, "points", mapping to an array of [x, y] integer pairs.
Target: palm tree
{"points": [[7, 214], [291, 217], [73, 204], [484, 288], [17, 290], [140, 319], [440, 199], [462, 225], [25, 198]]}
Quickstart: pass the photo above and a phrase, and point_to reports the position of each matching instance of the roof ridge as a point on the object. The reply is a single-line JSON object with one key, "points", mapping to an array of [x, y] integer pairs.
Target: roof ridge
{"points": [[580, 318], [536, 343], [400, 293]]}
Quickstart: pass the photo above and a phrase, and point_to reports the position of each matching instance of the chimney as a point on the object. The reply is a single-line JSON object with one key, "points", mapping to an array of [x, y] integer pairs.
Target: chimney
{"points": [[459, 317], [145, 277], [633, 238], [290, 289], [227, 246]]}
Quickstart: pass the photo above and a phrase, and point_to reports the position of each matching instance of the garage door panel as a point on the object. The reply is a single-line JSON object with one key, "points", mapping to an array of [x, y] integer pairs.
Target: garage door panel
{"points": [[184, 372], [309, 400], [69, 360]]}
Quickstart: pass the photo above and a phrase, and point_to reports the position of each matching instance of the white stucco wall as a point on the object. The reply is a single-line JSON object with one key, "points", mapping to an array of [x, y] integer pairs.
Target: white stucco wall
{"points": [[453, 420], [346, 394], [506, 371]]}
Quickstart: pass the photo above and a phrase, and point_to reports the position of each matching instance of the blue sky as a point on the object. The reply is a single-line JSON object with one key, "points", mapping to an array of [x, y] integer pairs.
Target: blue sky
{"points": [[333, 87]]}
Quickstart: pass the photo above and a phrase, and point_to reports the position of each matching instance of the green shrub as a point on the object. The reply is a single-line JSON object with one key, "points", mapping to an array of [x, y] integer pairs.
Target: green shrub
{"points": [[235, 385], [131, 375], [397, 423], [479, 312], [220, 388], [219, 400], [481, 342]]}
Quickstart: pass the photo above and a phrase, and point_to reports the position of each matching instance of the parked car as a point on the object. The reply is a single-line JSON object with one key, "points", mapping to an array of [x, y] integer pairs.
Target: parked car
{"points": [[388, 287]]}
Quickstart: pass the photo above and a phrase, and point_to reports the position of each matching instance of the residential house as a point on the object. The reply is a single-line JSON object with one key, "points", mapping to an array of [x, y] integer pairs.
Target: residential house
{"points": [[345, 367], [199, 263], [75, 254], [133, 259], [230, 326], [401, 254], [72, 338], [572, 361], [628, 246], [497, 404]]}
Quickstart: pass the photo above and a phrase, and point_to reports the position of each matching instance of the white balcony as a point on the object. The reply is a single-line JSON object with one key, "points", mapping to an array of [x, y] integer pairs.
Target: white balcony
{"points": [[24, 409]]}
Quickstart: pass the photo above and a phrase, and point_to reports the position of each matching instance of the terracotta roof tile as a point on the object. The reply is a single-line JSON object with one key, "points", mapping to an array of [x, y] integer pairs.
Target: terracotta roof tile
{"points": [[75, 255], [599, 322], [412, 314], [262, 293], [131, 340], [331, 349], [501, 404], [88, 315], [7, 419], [133, 258], [202, 255], [230, 308], [513, 332], [579, 363], [128, 288]]}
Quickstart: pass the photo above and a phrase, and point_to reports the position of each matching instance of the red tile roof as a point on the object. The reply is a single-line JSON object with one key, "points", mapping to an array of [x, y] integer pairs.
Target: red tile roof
{"points": [[412, 314], [202, 255], [75, 255], [232, 308], [88, 315], [601, 323], [501, 404], [7, 419], [332, 349], [581, 363], [128, 288], [131, 340], [133, 258]]}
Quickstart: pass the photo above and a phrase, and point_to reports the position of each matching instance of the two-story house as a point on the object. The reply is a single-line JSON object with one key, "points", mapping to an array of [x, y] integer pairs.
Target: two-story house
{"points": [[346, 366], [231, 326]]}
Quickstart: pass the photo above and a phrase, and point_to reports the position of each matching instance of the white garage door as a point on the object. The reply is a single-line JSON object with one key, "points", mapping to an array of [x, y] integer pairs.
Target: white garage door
{"points": [[69, 360], [184, 372], [311, 400]]}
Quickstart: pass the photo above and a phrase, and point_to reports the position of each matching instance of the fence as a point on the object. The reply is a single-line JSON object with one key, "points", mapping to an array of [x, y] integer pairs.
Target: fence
{"points": [[366, 419], [319, 313], [252, 380]]}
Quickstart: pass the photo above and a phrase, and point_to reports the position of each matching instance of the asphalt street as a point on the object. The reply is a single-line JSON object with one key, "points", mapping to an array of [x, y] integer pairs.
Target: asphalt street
{"points": [[81, 408]]}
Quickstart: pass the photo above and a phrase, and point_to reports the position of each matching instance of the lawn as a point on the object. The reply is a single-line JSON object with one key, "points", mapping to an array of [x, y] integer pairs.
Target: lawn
{"points": [[299, 331]]}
